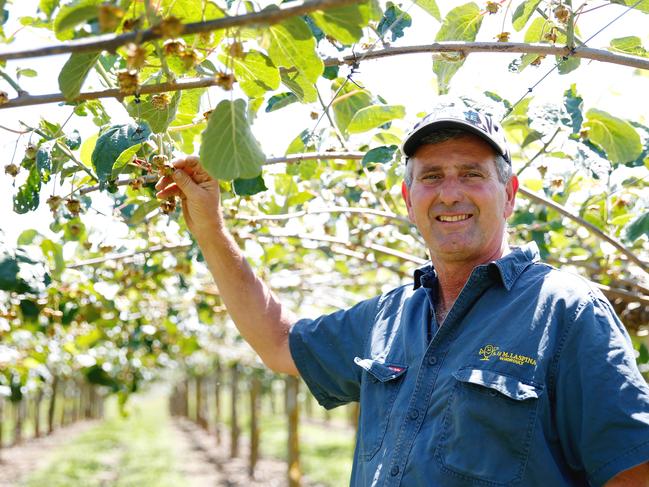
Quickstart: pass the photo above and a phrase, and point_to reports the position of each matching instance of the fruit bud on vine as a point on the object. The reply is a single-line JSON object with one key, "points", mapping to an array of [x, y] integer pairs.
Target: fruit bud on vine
{"points": [[128, 81], [30, 151], [551, 35], [314, 115], [135, 56], [168, 206], [166, 170], [206, 115], [136, 183], [73, 205], [492, 7], [158, 161], [110, 17], [54, 202], [562, 14], [189, 57], [537, 60], [4, 97], [160, 101], [132, 24], [236, 49], [12, 169], [74, 229], [206, 37], [173, 46], [225, 80], [503, 37], [169, 27]]}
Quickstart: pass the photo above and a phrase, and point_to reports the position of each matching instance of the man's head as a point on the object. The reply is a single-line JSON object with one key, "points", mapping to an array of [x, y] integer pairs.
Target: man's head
{"points": [[459, 186]]}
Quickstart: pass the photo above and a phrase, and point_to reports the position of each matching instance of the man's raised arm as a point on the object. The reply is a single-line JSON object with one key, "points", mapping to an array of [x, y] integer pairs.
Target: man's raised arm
{"points": [[260, 317]]}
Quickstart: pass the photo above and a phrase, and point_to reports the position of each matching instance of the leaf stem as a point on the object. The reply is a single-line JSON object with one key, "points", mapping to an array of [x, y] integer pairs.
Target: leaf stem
{"points": [[13, 83]]}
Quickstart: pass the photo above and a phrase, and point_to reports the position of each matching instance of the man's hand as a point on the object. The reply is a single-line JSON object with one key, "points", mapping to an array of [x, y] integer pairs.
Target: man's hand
{"points": [[199, 194]]}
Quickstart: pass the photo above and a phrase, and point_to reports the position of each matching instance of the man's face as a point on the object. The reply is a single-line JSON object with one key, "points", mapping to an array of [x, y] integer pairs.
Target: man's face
{"points": [[457, 202]]}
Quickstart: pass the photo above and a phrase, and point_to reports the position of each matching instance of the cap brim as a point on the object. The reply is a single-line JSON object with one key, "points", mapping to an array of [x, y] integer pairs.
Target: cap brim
{"points": [[414, 141]]}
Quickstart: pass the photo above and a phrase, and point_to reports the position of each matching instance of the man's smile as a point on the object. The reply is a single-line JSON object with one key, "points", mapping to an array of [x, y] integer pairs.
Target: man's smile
{"points": [[453, 218]]}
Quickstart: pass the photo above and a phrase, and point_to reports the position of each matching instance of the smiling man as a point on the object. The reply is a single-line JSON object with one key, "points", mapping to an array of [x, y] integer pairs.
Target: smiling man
{"points": [[491, 369]]}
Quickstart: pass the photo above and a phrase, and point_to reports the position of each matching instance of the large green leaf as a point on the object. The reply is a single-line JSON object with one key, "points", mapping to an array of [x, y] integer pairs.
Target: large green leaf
{"points": [[54, 253], [461, 24], [73, 14], [228, 148], [374, 116], [248, 187], [394, 22], [112, 143], [523, 13], [256, 74], [643, 6], [344, 24], [638, 227], [431, 7], [280, 100], [190, 103], [574, 105], [350, 100], [157, 118], [629, 45], [27, 197], [613, 135], [74, 73], [295, 81], [292, 47], [20, 273]]}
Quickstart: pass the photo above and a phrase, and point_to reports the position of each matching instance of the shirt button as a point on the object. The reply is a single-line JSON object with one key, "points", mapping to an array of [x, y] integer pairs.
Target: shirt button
{"points": [[394, 471], [414, 414], [432, 360]]}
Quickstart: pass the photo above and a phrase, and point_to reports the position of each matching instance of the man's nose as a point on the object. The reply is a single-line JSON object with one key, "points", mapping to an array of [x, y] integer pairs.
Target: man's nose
{"points": [[450, 191]]}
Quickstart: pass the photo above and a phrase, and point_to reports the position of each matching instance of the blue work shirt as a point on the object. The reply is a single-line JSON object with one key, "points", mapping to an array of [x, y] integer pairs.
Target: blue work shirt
{"points": [[531, 381]]}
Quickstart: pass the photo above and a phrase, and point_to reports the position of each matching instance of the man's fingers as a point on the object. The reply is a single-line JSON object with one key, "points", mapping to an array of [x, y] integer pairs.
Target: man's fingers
{"points": [[163, 182], [189, 162], [184, 181], [170, 191]]}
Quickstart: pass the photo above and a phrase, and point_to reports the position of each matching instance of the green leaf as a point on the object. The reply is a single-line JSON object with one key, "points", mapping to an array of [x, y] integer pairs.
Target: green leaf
{"points": [[293, 47], [26, 72], [248, 187], [629, 45], [27, 237], [112, 143], [381, 154], [394, 21], [276, 102], [20, 273], [44, 162], [374, 116], [431, 7], [255, 73], [158, 119], [88, 146], [54, 253], [643, 6], [344, 24], [72, 15], [142, 211], [643, 355], [349, 101], [567, 65], [27, 198], [228, 147], [461, 24], [638, 227], [190, 102], [613, 135], [523, 13], [574, 105], [124, 158], [75, 71], [48, 6]]}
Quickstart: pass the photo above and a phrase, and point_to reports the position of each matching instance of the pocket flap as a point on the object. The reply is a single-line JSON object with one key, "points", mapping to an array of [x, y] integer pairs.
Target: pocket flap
{"points": [[509, 386], [381, 370]]}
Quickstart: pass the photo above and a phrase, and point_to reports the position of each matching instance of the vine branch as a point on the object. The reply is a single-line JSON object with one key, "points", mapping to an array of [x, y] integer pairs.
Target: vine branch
{"points": [[451, 46], [111, 42]]}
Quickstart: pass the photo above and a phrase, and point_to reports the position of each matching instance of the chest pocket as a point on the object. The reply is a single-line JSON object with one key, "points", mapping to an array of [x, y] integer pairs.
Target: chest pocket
{"points": [[379, 387], [487, 427]]}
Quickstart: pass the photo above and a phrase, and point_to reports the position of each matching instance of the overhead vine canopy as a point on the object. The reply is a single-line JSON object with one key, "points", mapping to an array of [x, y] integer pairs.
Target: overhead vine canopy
{"points": [[324, 222]]}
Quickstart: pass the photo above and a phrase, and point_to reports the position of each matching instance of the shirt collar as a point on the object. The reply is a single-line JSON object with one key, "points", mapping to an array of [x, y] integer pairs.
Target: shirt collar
{"points": [[508, 268]]}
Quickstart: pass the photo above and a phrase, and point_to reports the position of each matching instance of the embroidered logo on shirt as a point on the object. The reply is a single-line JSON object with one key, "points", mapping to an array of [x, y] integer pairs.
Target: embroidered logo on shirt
{"points": [[489, 351], [394, 368]]}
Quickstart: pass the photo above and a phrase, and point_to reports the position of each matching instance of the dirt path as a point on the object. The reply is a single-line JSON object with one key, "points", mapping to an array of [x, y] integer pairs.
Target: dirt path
{"points": [[18, 461]]}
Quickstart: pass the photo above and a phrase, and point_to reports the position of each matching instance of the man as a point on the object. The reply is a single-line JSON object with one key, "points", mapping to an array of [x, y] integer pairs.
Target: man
{"points": [[493, 369]]}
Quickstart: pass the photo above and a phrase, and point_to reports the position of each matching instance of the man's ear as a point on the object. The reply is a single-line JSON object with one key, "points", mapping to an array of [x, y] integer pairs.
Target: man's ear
{"points": [[405, 193], [511, 188]]}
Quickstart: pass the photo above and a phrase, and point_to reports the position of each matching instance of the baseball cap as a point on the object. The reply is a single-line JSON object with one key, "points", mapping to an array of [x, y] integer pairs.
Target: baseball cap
{"points": [[456, 114]]}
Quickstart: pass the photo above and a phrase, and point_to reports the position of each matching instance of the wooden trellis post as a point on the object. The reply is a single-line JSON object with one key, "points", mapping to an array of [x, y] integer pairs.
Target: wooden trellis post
{"points": [[234, 426], [52, 405], [38, 398], [292, 411], [255, 388]]}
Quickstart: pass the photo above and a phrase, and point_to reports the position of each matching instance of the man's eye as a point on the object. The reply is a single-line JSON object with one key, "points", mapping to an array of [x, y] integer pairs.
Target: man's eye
{"points": [[430, 177], [474, 175]]}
